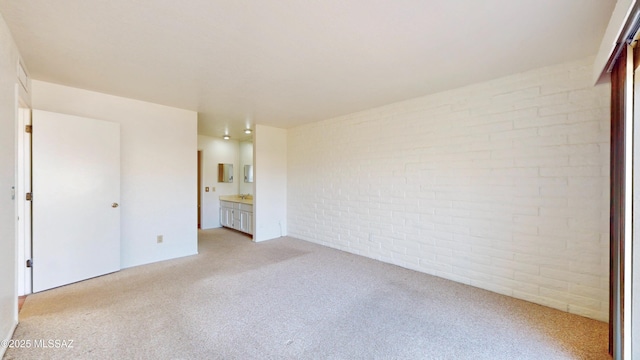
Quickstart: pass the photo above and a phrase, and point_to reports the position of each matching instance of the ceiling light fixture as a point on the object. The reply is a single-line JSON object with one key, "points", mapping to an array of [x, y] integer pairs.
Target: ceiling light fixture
{"points": [[247, 131], [226, 137]]}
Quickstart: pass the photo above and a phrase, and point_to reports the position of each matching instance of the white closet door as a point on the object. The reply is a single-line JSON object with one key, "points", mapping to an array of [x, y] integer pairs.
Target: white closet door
{"points": [[76, 196]]}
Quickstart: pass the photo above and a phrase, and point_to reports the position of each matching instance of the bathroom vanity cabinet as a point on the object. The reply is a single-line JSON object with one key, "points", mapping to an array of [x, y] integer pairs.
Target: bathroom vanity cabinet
{"points": [[236, 215]]}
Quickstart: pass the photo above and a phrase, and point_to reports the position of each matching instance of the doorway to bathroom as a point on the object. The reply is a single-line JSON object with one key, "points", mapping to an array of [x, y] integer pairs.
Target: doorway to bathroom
{"points": [[199, 184]]}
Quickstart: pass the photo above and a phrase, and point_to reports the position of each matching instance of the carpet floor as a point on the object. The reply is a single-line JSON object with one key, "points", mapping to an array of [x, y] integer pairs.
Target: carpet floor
{"points": [[291, 299]]}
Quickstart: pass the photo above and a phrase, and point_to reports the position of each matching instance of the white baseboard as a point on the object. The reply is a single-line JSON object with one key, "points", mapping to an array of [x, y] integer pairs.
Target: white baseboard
{"points": [[7, 337]]}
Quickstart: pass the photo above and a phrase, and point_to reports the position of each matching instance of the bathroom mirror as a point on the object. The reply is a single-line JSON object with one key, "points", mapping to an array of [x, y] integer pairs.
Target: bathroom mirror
{"points": [[248, 173], [245, 185], [225, 173]]}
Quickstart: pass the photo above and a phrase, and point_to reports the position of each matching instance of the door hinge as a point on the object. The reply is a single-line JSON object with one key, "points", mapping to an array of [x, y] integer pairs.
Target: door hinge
{"points": [[29, 196], [29, 263], [28, 129]]}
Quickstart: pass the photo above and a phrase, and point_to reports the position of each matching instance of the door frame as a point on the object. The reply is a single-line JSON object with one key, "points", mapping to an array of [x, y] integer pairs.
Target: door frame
{"points": [[23, 186], [623, 227], [199, 189]]}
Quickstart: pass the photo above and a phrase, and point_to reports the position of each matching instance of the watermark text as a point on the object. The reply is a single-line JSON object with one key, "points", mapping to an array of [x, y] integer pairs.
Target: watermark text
{"points": [[37, 344]]}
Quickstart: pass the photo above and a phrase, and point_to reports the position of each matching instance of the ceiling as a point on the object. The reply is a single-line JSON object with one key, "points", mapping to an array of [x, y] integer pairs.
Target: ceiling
{"points": [[289, 62]]}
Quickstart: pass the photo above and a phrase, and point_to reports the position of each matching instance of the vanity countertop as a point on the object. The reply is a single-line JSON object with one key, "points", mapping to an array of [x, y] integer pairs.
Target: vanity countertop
{"points": [[236, 198]]}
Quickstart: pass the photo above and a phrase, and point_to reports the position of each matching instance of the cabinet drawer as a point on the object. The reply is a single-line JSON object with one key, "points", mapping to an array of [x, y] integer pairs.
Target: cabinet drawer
{"points": [[229, 204], [246, 207]]}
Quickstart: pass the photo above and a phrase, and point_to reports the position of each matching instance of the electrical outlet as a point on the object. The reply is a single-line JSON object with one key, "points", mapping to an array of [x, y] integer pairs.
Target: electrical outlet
{"points": [[159, 239]]}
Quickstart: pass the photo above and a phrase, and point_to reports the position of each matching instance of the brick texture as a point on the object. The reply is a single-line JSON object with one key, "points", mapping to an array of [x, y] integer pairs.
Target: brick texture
{"points": [[501, 185]]}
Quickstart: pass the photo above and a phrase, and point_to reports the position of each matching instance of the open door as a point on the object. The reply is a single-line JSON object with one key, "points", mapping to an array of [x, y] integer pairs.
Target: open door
{"points": [[76, 195]]}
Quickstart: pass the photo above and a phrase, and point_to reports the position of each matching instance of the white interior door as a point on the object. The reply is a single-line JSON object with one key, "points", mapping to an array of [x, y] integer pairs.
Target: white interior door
{"points": [[76, 192]]}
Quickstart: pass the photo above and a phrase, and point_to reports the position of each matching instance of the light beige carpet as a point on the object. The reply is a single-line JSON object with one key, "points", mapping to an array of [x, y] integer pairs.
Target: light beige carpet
{"points": [[290, 299]]}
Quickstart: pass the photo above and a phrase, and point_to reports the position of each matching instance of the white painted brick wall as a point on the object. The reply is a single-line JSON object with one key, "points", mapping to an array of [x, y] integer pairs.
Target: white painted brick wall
{"points": [[502, 185]]}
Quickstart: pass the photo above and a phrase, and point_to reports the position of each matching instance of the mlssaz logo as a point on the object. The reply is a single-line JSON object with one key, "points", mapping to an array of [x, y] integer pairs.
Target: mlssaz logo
{"points": [[53, 344]]}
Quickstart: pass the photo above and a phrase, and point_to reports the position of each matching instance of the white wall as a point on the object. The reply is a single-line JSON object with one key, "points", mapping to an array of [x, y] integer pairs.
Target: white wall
{"points": [[158, 173], [270, 180], [216, 151], [246, 158], [502, 185], [9, 57]]}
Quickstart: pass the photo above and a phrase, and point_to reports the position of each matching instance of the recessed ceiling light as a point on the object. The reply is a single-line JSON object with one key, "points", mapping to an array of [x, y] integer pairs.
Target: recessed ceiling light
{"points": [[226, 137], [247, 131]]}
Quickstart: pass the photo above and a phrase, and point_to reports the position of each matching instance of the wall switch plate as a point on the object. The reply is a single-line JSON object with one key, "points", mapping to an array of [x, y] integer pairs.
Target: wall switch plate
{"points": [[213, 189], [206, 189], [159, 239]]}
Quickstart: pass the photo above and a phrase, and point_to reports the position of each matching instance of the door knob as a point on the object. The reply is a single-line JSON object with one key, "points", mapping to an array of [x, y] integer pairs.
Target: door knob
{"points": [[114, 205]]}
